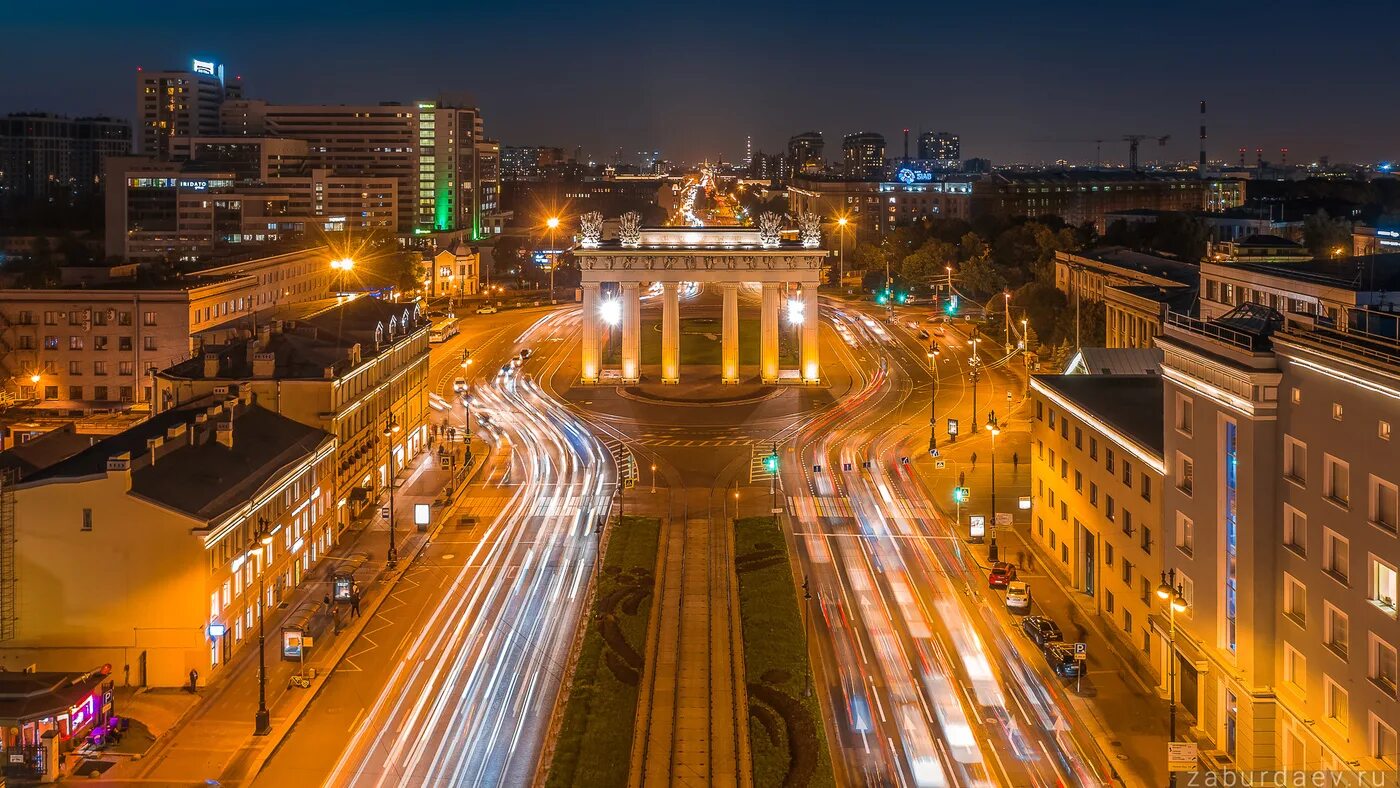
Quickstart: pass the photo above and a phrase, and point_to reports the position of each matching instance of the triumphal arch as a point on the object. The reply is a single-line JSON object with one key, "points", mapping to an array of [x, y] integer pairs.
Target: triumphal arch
{"points": [[722, 257]]}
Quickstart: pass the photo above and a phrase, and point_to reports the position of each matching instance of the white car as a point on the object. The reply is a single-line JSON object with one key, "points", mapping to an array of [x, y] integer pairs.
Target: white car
{"points": [[459, 385], [486, 310], [1018, 596]]}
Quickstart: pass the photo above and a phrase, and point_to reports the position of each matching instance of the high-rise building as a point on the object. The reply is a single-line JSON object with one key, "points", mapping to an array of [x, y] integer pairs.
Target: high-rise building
{"points": [[1281, 509], [864, 154], [521, 162], [940, 147], [42, 154], [175, 104], [805, 153]]}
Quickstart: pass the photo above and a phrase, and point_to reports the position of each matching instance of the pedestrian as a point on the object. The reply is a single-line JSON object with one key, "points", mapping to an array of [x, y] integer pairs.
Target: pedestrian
{"points": [[1015, 460], [355, 601], [1021, 558], [974, 459], [194, 680], [1030, 561]]}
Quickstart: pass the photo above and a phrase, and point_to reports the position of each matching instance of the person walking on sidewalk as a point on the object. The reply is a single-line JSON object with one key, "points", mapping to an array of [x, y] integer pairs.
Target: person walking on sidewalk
{"points": [[1015, 461], [974, 460], [194, 680], [355, 601]]}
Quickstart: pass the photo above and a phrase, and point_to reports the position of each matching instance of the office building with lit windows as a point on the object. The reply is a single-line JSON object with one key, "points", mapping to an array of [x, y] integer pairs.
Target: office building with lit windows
{"points": [[172, 105], [45, 155], [1280, 500], [940, 147], [864, 155]]}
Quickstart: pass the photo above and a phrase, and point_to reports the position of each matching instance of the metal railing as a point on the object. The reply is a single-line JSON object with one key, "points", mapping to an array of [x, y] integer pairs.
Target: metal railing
{"points": [[1220, 333]]}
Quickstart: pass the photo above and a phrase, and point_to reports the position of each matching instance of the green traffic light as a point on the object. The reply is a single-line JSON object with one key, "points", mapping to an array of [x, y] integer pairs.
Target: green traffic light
{"points": [[771, 463]]}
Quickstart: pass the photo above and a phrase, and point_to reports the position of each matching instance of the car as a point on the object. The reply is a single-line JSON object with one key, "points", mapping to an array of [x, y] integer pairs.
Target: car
{"points": [[923, 334], [487, 309], [1001, 574], [524, 352], [938, 331], [459, 385], [1042, 631], [1060, 658], [1018, 596]]}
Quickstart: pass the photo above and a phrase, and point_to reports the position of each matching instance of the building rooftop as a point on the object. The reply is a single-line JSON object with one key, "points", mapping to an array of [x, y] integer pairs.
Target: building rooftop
{"points": [[1150, 264], [1267, 241], [1369, 273], [1130, 404], [1115, 361], [177, 460], [25, 696], [45, 450]]}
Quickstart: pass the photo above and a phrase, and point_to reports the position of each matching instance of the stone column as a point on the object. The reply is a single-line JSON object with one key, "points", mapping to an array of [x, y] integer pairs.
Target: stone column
{"points": [[729, 358], [589, 366], [631, 331], [768, 335], [670, 333], [811, 365]]}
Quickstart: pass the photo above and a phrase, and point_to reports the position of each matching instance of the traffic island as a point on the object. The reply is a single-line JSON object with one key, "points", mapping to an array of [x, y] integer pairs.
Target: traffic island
{"points": [[595, 735], [786, 736]]}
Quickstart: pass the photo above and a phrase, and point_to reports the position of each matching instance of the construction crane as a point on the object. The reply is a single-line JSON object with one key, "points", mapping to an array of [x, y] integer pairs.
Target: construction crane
{"points": [[1134, 139]]}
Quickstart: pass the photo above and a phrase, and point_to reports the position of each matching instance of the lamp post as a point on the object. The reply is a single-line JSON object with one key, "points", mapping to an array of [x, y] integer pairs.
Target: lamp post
{"points": [[1007, 318], [933, 398], [993, 428], [975, 374], [390, 429], [1170, 591], [553, 224], [841, 222], [262, 721]]}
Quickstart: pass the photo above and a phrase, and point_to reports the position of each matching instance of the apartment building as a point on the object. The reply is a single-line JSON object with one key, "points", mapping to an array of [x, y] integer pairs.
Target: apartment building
{"points": [[96, 346], [1096, 476], [1327, 291], [147, 550], [1281, 480], [1137, 290], [43, 155], [351, 370]]}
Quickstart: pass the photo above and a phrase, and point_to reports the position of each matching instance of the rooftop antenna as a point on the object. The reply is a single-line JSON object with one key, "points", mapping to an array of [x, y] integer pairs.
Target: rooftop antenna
{"points": [[906, 144]]}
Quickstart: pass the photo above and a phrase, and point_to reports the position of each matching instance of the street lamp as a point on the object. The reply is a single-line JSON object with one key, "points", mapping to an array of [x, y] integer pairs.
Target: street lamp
{"points": [[262, 539], [343, 264], [1007, 318], [933, 353], [995, 430], [841, 222], [553, 224], [1170, 591], [390, 429], [975, 374]]}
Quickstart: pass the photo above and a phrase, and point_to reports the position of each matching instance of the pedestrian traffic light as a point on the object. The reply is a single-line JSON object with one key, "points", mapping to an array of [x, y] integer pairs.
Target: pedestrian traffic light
{"points": [[960, 494], [770, 463]]}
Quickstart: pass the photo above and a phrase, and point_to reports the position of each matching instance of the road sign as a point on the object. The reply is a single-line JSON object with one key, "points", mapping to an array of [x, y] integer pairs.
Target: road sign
{"points": [[940, 464], [903, 460], [934, 453], [384, 512], [977, 526], [816, 469], [960, 494], [1003, 518], [846, 466], [865, 465], [1182, 756], [1024, 502], [1081, 651]]}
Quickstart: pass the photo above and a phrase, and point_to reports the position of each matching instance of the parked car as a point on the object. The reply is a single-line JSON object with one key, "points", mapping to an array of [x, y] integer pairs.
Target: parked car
{"points": [[1042, 631], [1018, 596], [1001, 574], [486, 309], [1060, 658], [459, 385]]}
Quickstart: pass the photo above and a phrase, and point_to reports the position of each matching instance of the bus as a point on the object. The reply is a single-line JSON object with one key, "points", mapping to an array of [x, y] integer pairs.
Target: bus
{"points": [[443, 330]]}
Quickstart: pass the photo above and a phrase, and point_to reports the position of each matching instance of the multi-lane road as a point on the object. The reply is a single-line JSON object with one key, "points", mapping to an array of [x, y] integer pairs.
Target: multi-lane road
{"points": [[925, 678], [454, 681]]}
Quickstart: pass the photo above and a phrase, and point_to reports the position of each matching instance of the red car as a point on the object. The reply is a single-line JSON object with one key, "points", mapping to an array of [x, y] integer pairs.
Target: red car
{"points": [[1001, 574]]}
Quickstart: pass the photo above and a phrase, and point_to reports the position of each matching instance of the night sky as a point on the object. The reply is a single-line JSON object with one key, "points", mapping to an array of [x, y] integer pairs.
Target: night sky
{"points": [[1019, 81]]}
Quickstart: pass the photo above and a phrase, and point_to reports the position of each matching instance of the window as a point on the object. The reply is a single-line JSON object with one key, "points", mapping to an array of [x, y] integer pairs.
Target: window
{"points": [[1295, 669], [1064, 469], [75, 343], [1382, 585], [1383, 743], [99, 368], [1336, 557], [1093, 448], [1295, 530], [1093, 494], [1188, 592], [1382, 664], [51, 343], [75, 318], [75, 392], [1127, 620], [124, 343], [1108, 554], [1146, 487], [1064, 428], [1128, 474], [126, 368], [1385, 500], [75, 368], [1146, 541], [1185, 473], [1334, 702], [1039, 410], [99, 343], [1336, 480], [148, 319], [1078, 482], [149, 343], [1336, 627], [1127, 522], [99, 318], [1337, 411], [1108, 459], [123, 318], [1108, 508], [1383, 430], [1052, 418], [1185, 534], [1295, 459], [1185, 414], [1078, 438], [26, 342], [50, 318], [99, 393], [1108, 602], [87, 519], [1295, 600], [1128, 573]]}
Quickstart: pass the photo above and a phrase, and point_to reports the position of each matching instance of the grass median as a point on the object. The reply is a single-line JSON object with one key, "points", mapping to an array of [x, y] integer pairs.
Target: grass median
{"points": [[595, 738], [786, 734]]}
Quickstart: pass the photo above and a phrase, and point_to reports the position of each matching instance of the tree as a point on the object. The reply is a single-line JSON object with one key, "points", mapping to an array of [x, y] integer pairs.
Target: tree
{"points": [[867, 257], [929, 262], [977, 273], [1324, 235]]}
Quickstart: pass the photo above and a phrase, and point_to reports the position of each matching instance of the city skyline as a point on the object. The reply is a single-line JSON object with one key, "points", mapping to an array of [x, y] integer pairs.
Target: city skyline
{"points": [[1037, 88]]}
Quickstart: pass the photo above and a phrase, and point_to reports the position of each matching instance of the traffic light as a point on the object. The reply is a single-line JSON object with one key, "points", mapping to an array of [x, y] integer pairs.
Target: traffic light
{"points": [[960, 494], [952, 307], [770, 463]]}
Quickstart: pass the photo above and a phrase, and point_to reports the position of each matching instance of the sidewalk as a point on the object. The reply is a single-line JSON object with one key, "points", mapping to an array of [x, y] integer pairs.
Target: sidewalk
{"points": [[214, 737]]}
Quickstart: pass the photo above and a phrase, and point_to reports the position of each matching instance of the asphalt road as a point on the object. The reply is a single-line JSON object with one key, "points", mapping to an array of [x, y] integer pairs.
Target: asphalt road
{"points": [[454, 680]]}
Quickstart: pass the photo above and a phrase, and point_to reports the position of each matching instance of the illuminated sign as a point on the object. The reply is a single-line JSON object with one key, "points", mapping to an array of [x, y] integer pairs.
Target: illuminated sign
{"points": [[291, 644], [420, 514], [952, 426], [81, 714], [910, 175], [977, 526], [204, 67], [217, 630]]}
